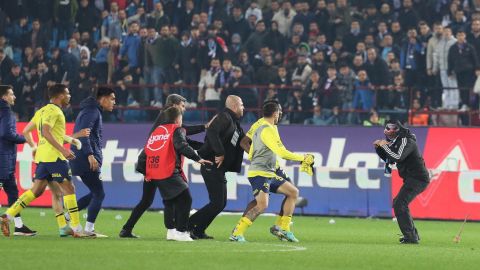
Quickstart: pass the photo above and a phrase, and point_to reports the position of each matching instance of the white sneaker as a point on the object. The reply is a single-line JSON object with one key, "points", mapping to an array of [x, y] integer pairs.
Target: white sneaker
{"points": [[171, 234], [193, 105], [152, 102], [183, 237], [157, 104]]}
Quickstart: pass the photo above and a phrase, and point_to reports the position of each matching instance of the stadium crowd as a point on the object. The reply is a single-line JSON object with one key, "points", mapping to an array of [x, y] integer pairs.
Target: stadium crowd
{"points": [[328, 62]]}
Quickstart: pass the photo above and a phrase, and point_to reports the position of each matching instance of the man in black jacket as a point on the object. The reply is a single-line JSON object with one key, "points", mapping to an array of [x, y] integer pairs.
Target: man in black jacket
{"points": [[149, 188], [222, 146], [401, 148], [463, 62]]}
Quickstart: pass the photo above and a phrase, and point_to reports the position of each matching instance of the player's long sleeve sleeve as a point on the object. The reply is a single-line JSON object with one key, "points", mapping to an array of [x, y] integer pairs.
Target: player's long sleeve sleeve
{"points": [[272, 140], [87, 121], [8, 131], [398, 155], [192, 130], [181, 145]]}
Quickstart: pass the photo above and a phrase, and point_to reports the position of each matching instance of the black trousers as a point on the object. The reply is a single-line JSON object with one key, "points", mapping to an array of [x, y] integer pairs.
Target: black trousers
{"points": [[148, 194], [216, 184], [408, 192], [9, 185], [176, 210]]}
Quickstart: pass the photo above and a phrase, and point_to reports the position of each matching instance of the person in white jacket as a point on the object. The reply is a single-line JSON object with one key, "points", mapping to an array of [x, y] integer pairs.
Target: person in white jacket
{"points": [[432, 44], [284, 19], [207, 94], [450, 94]]}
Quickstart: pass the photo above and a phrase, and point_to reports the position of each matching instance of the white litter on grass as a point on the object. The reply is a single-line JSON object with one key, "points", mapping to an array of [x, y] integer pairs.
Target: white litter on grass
{"points": [[85, 216], [331, 221], [394, 219], [118, 217], [42, 214]]}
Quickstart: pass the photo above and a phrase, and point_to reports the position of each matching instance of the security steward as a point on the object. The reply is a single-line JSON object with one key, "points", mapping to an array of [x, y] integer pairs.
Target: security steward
{"points": [[222, 146], [400, 148]]}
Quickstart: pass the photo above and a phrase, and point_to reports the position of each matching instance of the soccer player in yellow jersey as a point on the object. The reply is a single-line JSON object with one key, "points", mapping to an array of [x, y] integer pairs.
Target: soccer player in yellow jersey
{"points": [[57, 196], [246, 143], [265, 147], [51, 158]]}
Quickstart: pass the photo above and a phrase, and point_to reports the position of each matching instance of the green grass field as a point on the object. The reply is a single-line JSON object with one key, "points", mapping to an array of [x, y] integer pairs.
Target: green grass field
{"points": [[350, 243]]}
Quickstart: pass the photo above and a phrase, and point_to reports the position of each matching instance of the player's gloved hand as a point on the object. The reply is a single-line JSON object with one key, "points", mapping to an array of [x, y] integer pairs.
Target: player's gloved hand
{"points": [[77, 143], [307, 164]]}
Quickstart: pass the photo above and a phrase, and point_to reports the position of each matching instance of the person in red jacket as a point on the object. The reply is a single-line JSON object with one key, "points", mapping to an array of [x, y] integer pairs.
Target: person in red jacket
{"points": [[165, 150]]}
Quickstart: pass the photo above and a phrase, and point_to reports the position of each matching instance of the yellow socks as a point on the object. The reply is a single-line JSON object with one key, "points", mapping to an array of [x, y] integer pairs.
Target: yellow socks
{"points": [[21, 203], [278, 221], [70, 202], [285, 223], [242, 226], [61, 220]]}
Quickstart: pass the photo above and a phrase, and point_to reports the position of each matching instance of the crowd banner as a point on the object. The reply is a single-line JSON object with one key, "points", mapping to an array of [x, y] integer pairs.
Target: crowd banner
{"points": [[348, 180]]}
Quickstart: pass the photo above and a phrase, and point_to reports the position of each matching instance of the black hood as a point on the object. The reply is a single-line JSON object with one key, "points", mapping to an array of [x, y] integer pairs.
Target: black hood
{"points": [[89, 102], [405, 132]]}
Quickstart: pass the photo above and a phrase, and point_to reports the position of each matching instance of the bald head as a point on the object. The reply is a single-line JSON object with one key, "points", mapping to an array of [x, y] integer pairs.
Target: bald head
{"points": [[235, 104]]}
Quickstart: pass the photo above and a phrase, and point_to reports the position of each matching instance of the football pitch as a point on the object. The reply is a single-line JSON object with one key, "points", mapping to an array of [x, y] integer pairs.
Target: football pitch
{"points": [[349, 243]]}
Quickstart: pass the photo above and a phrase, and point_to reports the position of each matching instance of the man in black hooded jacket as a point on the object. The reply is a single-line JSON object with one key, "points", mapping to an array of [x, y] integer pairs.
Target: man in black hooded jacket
{"points": [[401, 148]]}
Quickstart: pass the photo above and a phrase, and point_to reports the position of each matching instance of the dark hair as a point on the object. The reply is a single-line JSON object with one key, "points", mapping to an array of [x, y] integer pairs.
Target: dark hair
{"points": [[174, 99], [104, 91], [171, 114], [56, 90], [4, 89], [269, 108]]}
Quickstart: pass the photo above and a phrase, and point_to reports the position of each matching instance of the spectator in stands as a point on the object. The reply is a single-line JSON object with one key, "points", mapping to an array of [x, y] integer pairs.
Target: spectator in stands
{"points": [[208, 95], [474, 36], [370, 23], [129, 49], [450, 93], [322, 118], [373, 120], [397, 33], [186, 65], [363, 93], [211, 47], [184, 20], [462, 63], [157, 18], [254, 10], [435, 90], [396, 98], [112, 60], [415, 118], [388, 46], [377, 72], [459, 23], [275, 40], [65, 12], [300, 106], [88, 17], [284, 18], [351, 38], [410, 55], [408, 17], [302, 70], [266, 73], [329, 94], [345, 83], [256, 39], [6, 65], [36, 37], [237, 24], [247, 69], [240, 85], [313, 86]]}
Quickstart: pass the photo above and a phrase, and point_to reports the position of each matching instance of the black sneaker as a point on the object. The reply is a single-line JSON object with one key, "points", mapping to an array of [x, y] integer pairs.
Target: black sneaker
{"points": [[24, 231], [405, 240], [127, 234], [200, 236]]}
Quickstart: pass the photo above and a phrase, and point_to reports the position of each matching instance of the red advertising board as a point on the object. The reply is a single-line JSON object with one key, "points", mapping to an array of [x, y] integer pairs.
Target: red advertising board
{"points": [[454, 192]]}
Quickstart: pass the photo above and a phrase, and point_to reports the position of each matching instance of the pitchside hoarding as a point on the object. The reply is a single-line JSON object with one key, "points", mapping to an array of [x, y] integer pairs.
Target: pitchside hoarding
{"points": [[348, 179]]}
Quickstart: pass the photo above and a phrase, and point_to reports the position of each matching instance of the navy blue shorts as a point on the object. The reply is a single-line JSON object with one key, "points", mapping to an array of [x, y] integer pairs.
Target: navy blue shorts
{"points": [[53, 171], [265, 184], [281, 173]]}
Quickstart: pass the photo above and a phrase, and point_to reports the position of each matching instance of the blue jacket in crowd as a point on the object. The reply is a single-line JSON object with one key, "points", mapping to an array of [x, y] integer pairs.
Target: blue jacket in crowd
{"points": [[90, 117], [130, 47], [8, 141]]}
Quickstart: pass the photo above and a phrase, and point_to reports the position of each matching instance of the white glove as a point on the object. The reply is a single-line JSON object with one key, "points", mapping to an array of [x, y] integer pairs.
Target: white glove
{"points": [[77, 143]]}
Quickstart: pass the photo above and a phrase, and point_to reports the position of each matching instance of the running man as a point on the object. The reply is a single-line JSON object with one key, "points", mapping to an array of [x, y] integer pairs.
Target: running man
{"points": [[51, 158], [266, 146], [88, 161]]}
